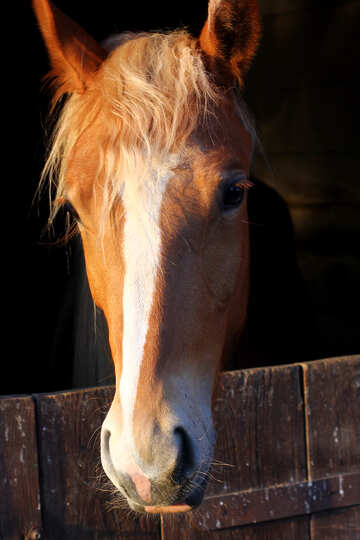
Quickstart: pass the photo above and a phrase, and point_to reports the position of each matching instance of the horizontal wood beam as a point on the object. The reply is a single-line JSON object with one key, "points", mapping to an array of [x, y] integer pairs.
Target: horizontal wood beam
{"points": [[278, 502]]}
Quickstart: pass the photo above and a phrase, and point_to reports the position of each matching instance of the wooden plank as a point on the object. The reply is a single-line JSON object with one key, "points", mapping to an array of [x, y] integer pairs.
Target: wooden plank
{"points": [[222, 510], [332, 395], [337, 525], [260, 428], [278, 502], [251, 406], [294, 529], [185, 529], [76, 503], [20, 513], [262, 476]]}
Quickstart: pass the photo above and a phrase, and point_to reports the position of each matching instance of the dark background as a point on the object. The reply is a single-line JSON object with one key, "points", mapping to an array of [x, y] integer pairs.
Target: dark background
{"points": [[304, 93]]}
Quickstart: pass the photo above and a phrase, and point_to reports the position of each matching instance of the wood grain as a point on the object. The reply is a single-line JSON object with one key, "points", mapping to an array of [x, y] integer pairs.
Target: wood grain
{"points": [[337, 525], [286, 463], [292, 529], [20, 511], [259, 420], [332, 395], [260, 430], [278, 502], [332, 388], [75, 504]]}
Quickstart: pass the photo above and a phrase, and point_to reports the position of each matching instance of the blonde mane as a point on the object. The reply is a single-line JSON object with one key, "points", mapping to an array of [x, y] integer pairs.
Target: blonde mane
{"points": [[151, 93]]}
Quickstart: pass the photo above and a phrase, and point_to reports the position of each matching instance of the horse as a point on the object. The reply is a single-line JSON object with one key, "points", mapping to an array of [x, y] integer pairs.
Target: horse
{"points": [[151, 154]]}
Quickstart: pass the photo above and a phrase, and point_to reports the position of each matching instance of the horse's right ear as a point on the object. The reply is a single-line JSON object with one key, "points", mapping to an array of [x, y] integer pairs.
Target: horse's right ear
{"points": [[74, 55], [231, 34]]}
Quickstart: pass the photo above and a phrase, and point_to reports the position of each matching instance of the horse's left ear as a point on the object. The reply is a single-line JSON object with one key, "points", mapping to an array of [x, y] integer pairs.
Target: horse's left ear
{"points": [[75, 56], [231, 34]]}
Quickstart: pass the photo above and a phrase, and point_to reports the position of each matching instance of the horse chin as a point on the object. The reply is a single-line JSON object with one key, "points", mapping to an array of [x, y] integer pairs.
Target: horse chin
{"points": [[185, 504], [156, 510], [173, 509]]}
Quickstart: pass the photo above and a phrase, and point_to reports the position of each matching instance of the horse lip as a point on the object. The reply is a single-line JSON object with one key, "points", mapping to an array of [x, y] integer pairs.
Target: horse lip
{"points": [[176, 508], [188, 504], [192, 501], [183, 503], [172, 509]]}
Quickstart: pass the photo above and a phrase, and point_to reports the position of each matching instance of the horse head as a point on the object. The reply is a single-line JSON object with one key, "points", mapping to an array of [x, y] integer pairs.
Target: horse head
{"points": [[152, 150]]}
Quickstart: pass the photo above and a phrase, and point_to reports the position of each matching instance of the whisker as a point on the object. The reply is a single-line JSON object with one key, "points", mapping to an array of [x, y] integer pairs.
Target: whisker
{"points": [[219, 463], [94, 437]]}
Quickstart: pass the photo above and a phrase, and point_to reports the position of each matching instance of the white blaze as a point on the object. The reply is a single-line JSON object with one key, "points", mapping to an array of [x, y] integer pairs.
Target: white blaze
{"points": [[142, 251]]}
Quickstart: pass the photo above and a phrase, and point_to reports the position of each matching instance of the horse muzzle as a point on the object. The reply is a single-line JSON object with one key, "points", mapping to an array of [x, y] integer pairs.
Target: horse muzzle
{"points": [[169, 474]]}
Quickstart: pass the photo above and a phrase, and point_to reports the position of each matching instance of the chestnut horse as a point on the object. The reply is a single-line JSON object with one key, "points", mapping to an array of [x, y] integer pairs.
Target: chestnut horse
{"points": [[152, 150]]}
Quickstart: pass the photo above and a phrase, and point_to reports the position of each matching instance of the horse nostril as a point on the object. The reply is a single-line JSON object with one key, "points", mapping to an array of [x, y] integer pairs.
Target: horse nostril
{"points": [[105, 441], [185, 461]]}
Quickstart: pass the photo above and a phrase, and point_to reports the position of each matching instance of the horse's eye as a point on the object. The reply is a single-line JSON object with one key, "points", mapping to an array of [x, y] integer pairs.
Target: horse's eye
{"points": [[233, 195]]}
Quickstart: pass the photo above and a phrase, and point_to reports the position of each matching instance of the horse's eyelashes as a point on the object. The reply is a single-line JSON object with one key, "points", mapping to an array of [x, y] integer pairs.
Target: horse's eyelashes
{"points": [[233, 195]]}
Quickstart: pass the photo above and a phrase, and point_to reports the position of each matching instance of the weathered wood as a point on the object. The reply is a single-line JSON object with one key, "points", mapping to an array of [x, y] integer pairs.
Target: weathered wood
{"points": [[251, 407], [332, 396], [294, 529], [75, 505], [338, 525], [269, 483], [331, 386], [278, 502], [20, 511], [260, 437]]}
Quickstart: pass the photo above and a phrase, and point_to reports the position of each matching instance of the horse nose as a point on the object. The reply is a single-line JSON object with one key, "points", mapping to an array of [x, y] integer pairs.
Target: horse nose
{"points": [[171, 465], [185, 462]]}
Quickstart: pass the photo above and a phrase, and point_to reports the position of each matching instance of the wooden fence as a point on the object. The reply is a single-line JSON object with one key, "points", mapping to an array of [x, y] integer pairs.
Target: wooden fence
{"points": [[290, 437]]}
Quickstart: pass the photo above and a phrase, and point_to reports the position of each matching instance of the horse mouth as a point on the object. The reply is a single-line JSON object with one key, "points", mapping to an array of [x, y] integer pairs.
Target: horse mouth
{"points": [[186, 504], [172, 509]]}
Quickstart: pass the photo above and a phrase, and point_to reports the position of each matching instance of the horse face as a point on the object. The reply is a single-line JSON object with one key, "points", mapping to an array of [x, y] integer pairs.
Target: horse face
{"points": [[170, 271], [172, 280]]}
